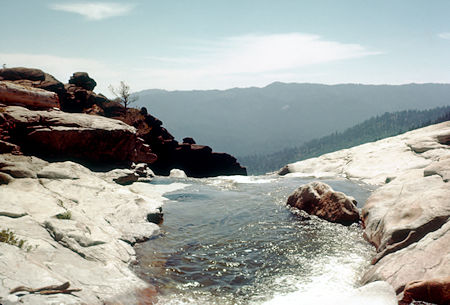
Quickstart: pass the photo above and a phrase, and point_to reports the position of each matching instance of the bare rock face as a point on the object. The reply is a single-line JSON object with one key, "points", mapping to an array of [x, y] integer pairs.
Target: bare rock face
{"points": [[91, 248], [16, 94], [318, 198], [407, 220], [55, 134], [373, 162], [395, 216]]}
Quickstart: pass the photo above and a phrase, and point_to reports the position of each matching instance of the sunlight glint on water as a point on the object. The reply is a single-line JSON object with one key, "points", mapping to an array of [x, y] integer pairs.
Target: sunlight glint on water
{"points": [[231, 240]]}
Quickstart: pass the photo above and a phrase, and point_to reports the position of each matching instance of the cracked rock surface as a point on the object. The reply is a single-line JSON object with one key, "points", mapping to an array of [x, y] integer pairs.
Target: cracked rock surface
{"points": [[90, 247]]}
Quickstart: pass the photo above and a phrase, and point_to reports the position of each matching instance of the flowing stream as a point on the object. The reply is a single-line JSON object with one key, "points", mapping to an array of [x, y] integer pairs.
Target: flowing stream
{"points": [[232, 240]]}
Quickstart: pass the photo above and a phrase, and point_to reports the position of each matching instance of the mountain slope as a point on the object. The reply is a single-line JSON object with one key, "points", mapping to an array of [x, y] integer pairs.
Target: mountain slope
{"points": [[376, 128], [245, 121]]}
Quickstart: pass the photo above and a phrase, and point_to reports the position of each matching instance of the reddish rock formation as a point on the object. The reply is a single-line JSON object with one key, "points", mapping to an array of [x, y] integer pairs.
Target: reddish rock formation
{"points": [[77, 96], [195, 160], [19, 95], [318, 198], [54, 139], [436, 291], [60, 135], [82, 79]]}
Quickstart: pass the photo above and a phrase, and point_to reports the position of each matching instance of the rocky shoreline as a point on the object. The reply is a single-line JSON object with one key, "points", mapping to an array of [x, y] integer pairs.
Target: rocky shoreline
{"points": [[78, 227], [67, 231], [407, 217], [67, 223]]}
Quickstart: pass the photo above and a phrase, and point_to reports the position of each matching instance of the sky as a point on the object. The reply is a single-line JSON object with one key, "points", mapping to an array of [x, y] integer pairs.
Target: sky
{"points": [[212, 44]]}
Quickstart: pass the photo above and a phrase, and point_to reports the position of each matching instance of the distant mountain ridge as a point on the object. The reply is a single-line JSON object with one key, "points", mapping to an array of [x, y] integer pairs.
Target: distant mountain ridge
{"points": [[245, 121]]}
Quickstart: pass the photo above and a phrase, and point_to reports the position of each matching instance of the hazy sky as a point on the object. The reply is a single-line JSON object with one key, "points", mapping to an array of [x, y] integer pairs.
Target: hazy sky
{"points": [[211, 44]]}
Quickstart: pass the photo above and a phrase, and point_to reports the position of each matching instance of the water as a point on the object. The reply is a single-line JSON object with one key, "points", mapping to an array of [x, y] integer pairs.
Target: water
{"points": [[234, 241]]}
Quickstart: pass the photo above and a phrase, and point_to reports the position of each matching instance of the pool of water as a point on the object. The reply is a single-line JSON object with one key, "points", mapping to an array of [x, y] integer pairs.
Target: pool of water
{"points": [[232, 240]]}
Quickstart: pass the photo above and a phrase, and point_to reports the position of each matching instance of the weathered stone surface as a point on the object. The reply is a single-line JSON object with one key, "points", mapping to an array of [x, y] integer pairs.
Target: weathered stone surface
{"points": [[82, 79], [440, 168], [405, 210], [426, 259], [15, 94], [407, 218], [22, 73], [76, 136], [33, 78], [435, 291], [318, 198], [374, 162], [91, 250]]}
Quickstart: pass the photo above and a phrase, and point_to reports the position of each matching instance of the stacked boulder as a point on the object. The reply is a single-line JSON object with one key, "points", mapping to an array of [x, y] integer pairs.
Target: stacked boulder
{"points": [[91, 138], [195, 160]]}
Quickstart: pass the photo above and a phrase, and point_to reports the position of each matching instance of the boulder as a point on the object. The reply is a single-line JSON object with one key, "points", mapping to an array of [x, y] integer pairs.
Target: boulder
{"points": [[318, 198], [436, 291], [16, 94], [76, 136], [33, 78], [177, 173], [189, 140], [22, 73], [78, 99], [82, 79]]}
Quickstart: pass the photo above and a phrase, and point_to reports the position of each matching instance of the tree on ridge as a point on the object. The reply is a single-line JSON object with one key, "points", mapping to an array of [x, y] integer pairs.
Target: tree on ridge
{"points": [[123, 94]]}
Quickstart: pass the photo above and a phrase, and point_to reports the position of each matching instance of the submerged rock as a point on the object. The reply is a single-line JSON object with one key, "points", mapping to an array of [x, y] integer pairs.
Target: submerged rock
{"points": [[318, 198]]}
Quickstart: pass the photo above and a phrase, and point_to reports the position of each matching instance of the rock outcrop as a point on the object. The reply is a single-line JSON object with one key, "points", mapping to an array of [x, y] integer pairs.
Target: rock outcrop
{"points": [[66, 136], [407, 217], [19, 95], [77, 97], [82, 79], [195, 160], [318, 198], [77, 227]]}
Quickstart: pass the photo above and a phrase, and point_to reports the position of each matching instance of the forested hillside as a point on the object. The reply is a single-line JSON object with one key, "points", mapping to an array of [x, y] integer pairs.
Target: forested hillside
{"points": [[375, 128], [245, 121]]}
